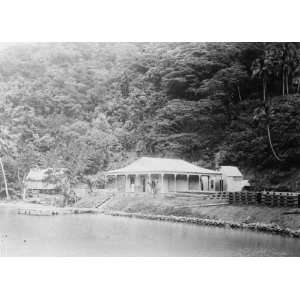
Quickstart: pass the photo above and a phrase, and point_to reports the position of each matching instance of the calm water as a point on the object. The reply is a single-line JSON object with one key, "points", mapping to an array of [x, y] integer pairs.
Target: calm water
{"points": [[99, 235]]}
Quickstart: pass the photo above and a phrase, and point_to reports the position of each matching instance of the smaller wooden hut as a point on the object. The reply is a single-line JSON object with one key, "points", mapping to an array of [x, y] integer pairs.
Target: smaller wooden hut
{"points": [[41, 181]]}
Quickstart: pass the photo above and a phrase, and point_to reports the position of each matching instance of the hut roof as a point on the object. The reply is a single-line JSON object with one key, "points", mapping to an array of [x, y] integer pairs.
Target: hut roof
{"points": [[161, 165], [42, 174], [37, 178]]}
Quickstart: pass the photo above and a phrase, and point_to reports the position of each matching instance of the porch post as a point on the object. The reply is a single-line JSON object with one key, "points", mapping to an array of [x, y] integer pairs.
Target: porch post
{"points": [[162, 183], [208, 179], [199, 182], [116, 182], [188, 178], [135, 183], [149, 183], [175, 183], [126, 183]]}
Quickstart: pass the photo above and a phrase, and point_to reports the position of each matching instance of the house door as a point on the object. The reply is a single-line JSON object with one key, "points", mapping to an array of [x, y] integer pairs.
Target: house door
{"points": [[205, 182]]}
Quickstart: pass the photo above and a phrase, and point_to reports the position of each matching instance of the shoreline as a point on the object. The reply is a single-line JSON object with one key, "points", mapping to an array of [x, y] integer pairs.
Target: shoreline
{"points": [[256, 227], [270, 228]]}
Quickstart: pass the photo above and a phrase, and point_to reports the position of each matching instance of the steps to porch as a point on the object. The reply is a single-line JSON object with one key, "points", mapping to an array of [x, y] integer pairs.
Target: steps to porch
{"points": [[94, 200]]}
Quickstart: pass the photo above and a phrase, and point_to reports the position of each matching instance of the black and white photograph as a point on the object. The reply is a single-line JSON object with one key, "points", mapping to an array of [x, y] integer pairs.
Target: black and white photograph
{"points": [[150, 149]]}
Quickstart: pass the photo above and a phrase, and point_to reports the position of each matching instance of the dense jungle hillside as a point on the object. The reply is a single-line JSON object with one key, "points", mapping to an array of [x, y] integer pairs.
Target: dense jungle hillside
{"points": [[90, 107]]}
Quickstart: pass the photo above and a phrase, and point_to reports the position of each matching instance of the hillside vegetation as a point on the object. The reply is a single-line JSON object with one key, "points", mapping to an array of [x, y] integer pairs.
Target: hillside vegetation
{"points": [[90, 107]]}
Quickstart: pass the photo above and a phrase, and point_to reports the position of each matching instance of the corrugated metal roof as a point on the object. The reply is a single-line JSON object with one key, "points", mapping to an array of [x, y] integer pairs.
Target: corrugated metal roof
{"points": [[161, 165], [231, 171]]}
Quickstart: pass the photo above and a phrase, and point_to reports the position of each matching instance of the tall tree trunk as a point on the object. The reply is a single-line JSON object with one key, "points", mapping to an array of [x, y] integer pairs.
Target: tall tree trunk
{"points": [[239, 92], [271, 145], [267, 110], [4, 178], [264, 91], [287, 83]]}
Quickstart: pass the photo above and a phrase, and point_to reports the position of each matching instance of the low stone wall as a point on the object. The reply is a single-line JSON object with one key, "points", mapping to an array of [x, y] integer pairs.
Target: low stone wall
{"points": [[259, 227], [272, 199]]}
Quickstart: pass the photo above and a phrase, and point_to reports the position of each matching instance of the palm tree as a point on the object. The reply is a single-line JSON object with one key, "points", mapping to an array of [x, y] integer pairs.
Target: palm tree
{"points": [[262, 69], [4, 178], [6, 147], [288, 62]]}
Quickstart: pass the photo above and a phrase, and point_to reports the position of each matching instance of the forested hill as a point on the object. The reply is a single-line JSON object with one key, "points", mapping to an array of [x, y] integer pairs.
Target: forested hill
{"points": [[91, 107]]}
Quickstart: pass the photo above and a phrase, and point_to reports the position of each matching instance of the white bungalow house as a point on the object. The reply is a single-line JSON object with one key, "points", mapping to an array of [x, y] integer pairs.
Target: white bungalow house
{"points": [[232, 179], [173, 175], [167, 175]]}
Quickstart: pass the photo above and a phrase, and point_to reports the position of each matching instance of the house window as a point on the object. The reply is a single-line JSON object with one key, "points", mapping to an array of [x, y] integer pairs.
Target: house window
{"points": [[212, 184]]}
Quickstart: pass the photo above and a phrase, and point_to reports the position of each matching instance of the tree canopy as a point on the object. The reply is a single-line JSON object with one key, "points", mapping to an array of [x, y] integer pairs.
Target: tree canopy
{"points": [[90, 107]]}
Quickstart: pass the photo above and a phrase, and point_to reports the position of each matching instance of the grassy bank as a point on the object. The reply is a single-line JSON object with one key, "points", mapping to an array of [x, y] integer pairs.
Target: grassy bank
{"points": [[276, 220]]}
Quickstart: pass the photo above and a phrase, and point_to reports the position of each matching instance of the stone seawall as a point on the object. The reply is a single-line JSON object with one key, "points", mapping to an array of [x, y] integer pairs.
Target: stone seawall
{"points": [[258, 227]]}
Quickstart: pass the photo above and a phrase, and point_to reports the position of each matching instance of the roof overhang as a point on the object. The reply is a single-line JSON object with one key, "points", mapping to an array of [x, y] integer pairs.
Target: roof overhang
{"points": [[116, 172], [151, 165]]}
